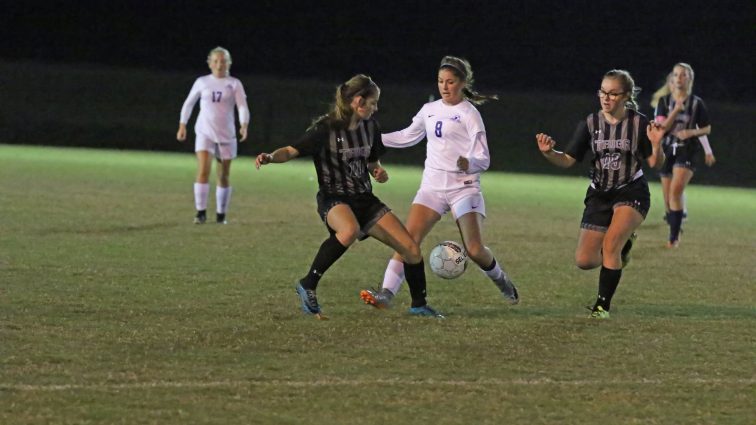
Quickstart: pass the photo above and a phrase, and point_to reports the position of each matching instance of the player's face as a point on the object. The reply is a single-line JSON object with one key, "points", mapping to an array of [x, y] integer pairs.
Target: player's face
{"points": [[612, 95], [218, 64], [450, 87], [680, 78], [367, 107]]}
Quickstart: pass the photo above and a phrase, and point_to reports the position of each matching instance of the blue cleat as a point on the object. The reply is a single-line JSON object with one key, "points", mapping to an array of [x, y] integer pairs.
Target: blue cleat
{"points": [[427, 311], [309, 302]]}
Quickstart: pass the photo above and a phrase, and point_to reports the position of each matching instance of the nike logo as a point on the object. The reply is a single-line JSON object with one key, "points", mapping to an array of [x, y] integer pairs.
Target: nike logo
{"points": [[474, 206], [430, 115]]}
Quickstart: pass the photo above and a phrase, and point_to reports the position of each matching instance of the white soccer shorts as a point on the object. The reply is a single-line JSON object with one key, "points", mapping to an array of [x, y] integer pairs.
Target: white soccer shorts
{"points": [[220, 150], [458, 201]]}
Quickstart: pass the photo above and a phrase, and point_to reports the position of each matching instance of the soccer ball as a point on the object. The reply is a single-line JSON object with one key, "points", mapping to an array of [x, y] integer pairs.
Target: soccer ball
{"points": [[448, 260]]}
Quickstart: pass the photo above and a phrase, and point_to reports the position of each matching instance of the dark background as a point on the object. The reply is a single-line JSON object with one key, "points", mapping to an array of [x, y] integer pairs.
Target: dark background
{"points": [[114, 74], [550, 45]]}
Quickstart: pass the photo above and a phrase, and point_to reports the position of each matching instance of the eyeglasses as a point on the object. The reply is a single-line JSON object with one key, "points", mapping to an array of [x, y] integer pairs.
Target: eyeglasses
{"points": [[611, 96]]}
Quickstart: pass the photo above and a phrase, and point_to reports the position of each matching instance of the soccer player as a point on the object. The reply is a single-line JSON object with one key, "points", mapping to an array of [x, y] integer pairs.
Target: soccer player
{"points": [[217, 92], [457, 154], [685, 120], [617, 201], [345, 146]]}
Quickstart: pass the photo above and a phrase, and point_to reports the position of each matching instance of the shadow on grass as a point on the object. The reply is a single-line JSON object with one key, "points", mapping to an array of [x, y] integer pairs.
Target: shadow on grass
{"points": [[123, 228]]}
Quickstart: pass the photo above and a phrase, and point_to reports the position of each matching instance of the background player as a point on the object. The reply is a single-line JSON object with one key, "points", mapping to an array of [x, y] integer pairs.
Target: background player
{"points": [[217, 92], [685, 119]]}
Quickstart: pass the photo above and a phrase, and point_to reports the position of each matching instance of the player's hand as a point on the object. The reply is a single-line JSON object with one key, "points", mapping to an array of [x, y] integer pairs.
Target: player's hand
{"points": [[243, 133], [710, 160], [181, 133], [463, 163], [545, 142], [380, 175], [262, 159], [655, 132]]}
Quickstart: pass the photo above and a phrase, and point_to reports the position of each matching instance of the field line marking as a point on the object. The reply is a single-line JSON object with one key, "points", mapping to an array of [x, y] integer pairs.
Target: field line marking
{"points": [[361, 382]]}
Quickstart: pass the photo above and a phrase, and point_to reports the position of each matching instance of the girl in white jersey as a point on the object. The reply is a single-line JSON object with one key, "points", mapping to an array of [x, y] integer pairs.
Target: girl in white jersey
{"points": [[218, 93], [457, 153]]}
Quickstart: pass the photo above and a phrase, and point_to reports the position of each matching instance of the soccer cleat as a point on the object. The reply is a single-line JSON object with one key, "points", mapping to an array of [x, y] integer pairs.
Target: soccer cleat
{"points": [[377, 299], [201, 217], [508, 289], [220, 218], [426, 311], [625, 255], [673, 244], [309, 302], [598, 312]]}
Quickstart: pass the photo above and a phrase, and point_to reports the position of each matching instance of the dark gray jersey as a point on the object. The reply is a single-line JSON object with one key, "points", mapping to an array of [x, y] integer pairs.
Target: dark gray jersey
{"points": [[618, 149]]}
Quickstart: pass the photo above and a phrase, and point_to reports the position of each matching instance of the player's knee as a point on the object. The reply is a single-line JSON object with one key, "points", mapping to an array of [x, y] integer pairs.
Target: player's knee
{"points": [[412, 254], [586, 262], [348, 235]]}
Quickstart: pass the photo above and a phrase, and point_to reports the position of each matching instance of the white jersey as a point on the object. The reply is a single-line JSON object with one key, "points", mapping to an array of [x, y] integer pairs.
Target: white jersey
{"points": [[217, 99], [452, 131]]}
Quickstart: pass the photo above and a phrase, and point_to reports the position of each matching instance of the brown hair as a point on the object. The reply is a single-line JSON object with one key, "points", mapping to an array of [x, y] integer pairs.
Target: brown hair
{"points": [[628, 86], [341, 111], [461, 69]]}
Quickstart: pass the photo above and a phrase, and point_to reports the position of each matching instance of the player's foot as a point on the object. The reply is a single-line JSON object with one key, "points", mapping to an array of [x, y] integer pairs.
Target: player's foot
{"points": [[508, 289], [598, 312], [201, 217], [309, 301], [625, 255], [427, 311], [673, 244], [220, 218], [378, 299]]}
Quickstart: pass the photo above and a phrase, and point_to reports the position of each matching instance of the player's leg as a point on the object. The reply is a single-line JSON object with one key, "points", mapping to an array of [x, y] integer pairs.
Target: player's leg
{"points": [[226, 152], [680, 178], [343, 228], [420, 222], [624, 222], [665, 182], [391, 232], [201, 185], [470, 226]]}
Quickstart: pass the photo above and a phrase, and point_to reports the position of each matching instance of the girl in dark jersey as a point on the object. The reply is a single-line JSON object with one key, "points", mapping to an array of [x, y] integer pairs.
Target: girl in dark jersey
{"points": [[345, 146], [617, 201], [685, 120]]}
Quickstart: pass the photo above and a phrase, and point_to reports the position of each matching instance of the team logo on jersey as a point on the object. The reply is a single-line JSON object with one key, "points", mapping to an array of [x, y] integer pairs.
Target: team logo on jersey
{"points": [[456, 118], [229, 86]]}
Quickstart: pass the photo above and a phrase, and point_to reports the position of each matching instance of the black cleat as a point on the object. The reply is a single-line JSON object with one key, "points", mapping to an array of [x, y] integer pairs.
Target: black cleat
{"points": [[201, 217]]}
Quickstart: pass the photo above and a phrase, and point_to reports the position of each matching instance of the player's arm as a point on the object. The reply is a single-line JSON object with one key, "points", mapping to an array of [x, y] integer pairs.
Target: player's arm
{"points": [[410, 136], [186, 110], [546, 146], [378, 172], [478, 157], [278, 156], [241, 106], [655, 133]]}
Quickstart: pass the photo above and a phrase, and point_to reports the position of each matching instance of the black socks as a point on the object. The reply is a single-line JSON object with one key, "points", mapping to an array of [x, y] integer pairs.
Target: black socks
{"points": [[330, 251], [415, 275], [608, 281], [675, 222]]}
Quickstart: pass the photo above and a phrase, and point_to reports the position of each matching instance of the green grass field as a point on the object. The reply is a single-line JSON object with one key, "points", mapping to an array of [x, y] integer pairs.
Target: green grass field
{"points": [[114, 308]]}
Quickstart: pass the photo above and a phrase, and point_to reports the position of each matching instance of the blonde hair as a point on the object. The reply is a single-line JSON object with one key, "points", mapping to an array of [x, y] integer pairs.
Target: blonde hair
{"points": [[341, 111], [461, 69], [628, 86], [666, 89], [220, 49]]}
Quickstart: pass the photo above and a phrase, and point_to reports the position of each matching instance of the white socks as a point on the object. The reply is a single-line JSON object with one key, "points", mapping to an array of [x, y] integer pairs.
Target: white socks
{"points": [[200, 196], [495, 273], [394, 276], [222, 198]]}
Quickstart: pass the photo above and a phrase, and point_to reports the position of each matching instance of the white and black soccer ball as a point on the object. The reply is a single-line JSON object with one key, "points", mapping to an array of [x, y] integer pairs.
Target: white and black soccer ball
{"points": [[448, 260]]}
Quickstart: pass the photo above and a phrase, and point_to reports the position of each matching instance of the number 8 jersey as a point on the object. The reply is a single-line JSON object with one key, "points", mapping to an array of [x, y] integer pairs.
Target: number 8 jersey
{"points": [[217, 98], [452, 131], [618, 149]]}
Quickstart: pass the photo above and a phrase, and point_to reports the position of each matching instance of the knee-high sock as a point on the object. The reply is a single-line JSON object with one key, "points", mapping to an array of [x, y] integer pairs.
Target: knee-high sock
{"points": [[416, 281], [394, 276], [608, 281], [675, 222], [330, 251], [200, 196], [222, 199]]}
